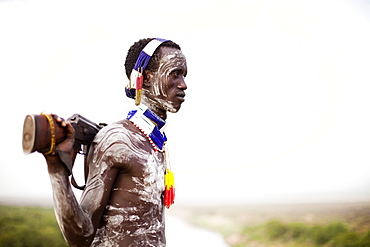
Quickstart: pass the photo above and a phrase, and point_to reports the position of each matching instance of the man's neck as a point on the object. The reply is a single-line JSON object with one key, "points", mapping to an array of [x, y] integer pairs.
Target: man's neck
{"points": [[160, 113]]}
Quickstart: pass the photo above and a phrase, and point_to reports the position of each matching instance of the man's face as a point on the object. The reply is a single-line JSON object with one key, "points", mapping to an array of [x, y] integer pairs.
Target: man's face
{"points": [[167, 84]]}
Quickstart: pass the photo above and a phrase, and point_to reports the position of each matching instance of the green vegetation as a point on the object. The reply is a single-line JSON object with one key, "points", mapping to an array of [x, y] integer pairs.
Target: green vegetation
{"points": [[301, 234], [29, 227], [296, 234], [296, 225]]}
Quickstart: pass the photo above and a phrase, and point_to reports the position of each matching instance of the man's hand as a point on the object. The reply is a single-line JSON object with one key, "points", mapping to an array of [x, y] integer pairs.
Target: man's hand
{"points": [[53, 160]]}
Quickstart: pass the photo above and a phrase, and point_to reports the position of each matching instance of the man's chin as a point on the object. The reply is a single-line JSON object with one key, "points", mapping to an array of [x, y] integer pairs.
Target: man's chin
{"points": [[167, 106], [170, 106], [173, 108]]}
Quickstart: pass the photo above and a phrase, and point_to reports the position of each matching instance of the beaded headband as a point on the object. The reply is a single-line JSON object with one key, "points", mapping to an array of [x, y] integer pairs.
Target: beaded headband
{"points": [[135, 85]]}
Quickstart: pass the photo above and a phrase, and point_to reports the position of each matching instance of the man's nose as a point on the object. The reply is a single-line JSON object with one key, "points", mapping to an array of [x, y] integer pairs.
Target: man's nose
{"points": [[182, 85]]}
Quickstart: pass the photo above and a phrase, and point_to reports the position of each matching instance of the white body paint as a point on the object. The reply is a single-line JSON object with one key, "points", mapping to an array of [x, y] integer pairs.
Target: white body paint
{"points": [[137, 217]]}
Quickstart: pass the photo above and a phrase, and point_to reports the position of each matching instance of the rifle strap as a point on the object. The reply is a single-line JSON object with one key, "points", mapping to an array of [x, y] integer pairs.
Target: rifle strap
{"points": [[74, 183], [68, 163]]}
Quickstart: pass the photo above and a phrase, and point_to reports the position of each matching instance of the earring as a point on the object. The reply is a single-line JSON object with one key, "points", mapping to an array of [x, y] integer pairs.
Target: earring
{"points": [[139, 86]]}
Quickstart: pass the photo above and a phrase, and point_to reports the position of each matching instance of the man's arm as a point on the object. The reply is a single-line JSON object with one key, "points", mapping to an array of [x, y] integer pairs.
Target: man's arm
{"points": [[77, 224], [74, 223]]}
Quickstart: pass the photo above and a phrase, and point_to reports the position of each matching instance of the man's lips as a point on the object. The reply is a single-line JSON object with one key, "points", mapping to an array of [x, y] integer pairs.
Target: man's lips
{"points": [[181, 96]]}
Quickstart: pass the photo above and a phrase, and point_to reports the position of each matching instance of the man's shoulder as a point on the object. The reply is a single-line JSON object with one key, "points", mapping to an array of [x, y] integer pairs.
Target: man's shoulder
{"points": [[114, 130], [118, 139]]}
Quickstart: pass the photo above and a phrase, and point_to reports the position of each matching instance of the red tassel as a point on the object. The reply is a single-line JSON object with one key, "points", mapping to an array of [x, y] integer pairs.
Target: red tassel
{"points": [[166, 198], [172, 195], [169, 193], [139, 82]]}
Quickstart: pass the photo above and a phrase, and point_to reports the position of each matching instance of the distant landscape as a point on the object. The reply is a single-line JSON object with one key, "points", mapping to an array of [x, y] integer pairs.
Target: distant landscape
{"points": [[29, 227], [290, 225]]}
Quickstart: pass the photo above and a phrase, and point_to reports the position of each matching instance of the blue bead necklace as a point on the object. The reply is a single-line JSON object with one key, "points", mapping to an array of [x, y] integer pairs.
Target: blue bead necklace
{"points": [[150, 124]]}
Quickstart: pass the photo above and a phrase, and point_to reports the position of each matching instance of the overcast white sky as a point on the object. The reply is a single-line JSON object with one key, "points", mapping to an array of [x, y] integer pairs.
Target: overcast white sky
{"points": [[277, 107]]}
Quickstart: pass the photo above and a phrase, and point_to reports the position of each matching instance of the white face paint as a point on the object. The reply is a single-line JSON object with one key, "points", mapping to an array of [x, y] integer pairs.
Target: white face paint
{"points": [[167, 83], [168, 63]]}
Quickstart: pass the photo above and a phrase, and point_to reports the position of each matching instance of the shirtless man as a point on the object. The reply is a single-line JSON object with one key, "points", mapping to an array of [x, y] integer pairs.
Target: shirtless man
{"points": [[123, 202]]}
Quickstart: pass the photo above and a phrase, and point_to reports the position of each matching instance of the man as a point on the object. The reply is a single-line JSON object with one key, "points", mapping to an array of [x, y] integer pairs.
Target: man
{"points": [[123, 202]]}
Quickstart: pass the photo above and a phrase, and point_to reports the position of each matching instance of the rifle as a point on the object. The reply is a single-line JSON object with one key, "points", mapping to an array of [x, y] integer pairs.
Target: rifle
{"points": [[41, 133], [85, 131]]}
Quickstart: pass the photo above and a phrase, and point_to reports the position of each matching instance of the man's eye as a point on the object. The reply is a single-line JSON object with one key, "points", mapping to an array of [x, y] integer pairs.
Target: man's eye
{"points": [[178, 73], [175, 73]]}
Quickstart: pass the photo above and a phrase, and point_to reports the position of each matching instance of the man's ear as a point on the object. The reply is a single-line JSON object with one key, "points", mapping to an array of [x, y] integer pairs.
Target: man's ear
{"points": [[148, 78]]}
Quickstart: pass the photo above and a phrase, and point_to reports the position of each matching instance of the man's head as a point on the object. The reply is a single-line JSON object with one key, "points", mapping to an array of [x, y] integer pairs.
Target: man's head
{"points": [[164, 85]]}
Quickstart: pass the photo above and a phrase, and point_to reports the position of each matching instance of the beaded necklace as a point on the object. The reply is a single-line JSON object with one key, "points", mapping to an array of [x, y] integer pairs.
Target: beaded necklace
{"points": [[152, 126]]}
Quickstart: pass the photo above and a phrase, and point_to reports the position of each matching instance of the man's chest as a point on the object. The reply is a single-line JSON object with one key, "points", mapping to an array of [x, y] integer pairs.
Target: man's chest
{"points": [[142, 183]]}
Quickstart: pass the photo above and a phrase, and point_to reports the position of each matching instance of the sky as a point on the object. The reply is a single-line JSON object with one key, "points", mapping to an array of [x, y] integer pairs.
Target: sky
{"points": [[277, 106]]}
